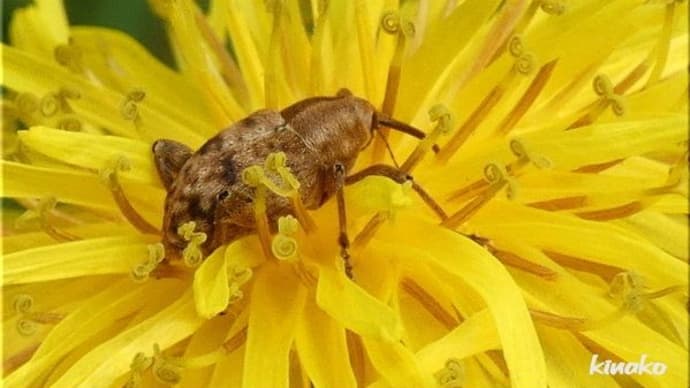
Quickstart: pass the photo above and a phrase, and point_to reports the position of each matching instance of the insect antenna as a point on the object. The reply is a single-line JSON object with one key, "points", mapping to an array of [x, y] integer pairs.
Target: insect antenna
{"points": [[404, 128], [388, 147]]}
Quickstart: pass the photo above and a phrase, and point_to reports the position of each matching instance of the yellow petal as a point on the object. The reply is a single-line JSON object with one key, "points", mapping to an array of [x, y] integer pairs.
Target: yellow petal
{"points": [[354, 308], [207, 339], [54, 18], [592, 241], [662, 231], [248, 54], [97, 105], [444, 42], [563, 354], [626, 337], [476, 334], [21, 241], [396, 364], [225, 372], [276, 302], [199, 63], [93, 151], [459, 256], [322, 349], [211, 289], [116, 302], [606, 142], [26, 181], [111, 359], [45, 299], [124, 64], [107, 255]]}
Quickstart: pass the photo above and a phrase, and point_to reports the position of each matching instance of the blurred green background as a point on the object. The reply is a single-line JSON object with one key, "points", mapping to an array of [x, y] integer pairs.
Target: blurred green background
{"points": [[132, 16]]}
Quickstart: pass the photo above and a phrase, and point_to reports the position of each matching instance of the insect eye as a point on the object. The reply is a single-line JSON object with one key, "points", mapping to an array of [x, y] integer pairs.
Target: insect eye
{"points": [[223, 194]]}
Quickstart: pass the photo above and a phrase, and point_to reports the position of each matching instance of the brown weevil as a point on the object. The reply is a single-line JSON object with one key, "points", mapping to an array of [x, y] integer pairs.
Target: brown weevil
{"points": [[321, 138]]}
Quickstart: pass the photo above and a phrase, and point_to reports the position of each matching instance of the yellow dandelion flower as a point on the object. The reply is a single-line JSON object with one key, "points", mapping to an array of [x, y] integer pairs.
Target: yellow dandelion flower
{"points": [[536, 235]]}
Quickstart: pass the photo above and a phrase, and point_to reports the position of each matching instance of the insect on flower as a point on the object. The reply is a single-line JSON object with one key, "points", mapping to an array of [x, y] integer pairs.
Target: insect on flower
{"points": [[318, 139]]}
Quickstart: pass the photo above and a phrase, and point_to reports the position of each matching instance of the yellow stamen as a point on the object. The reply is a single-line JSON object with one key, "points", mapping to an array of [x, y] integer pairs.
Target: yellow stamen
{"points": [[524, 156], [192, 253], [369, 230], [277, 162], [527, 99], [560, 203], [602, 87], [166, 370], [23, 303], [576, 263], [45, 207], [613, 213], [430, 304], [129, 109], [452, 375], [518, 148], [664, 292], [53, 103], [254, 176], [632, 77], [524, 63], [623, 283], [508, 17], [26, 327], [557, 321], [109, 174], [26, 103], [142, 271], [44, 318], [70, 124], [469, 191], [236, 341], [69, 56], [357, 356], [18, 359], [284, 246], [520, 27], [515, 261], [598, 167], [442, 116], [573, 323], [497, 178], [402, 29], [238, 275], [140, 363], [28, 323]]}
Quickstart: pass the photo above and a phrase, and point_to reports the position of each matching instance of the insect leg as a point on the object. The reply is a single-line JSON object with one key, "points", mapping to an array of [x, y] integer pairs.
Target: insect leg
{"points": [[398, 176], [343, 240]]}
